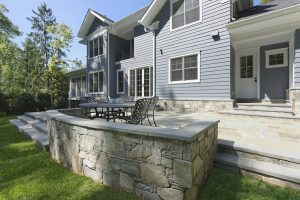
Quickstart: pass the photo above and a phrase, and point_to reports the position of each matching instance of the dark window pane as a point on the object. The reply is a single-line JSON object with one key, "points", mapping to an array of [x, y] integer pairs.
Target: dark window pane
{"points": [[178, 7], [91, 82], [101, 45], [120, 81], [243, 72], [249, 72], [132, 83], [101, 81], [249, 60], [192, 15], [176, 63], [191, 74], [190, 61], [91, 49], [178, 21], [96, 47], [176, 75]]}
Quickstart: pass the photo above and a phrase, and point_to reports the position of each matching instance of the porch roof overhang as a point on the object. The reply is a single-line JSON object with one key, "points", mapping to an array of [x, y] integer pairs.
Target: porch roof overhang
{"points": [[283, 20], [77, 73]]}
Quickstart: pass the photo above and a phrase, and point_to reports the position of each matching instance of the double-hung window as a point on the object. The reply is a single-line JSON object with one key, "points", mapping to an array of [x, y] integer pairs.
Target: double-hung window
{"points": [[96, 47], [185, 69], [185, 12], [96, 82], [120, 82]]}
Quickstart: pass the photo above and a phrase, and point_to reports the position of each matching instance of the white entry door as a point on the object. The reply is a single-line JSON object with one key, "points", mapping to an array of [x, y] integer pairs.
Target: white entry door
{"points": [[246, 76]]}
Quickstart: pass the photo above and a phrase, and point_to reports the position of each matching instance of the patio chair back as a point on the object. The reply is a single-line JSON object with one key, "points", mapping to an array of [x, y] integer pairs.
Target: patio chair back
{"points": [[153, 103], [126, 99], [140, 110]]}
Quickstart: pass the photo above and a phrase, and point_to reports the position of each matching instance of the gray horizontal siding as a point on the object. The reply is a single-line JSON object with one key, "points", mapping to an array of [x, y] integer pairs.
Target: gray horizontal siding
{"points": [[96, 25], [215, 55], [297, 59]]}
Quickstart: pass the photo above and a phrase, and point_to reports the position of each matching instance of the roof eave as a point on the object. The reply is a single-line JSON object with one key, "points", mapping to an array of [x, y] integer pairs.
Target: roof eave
{"points": [[152, 11]]}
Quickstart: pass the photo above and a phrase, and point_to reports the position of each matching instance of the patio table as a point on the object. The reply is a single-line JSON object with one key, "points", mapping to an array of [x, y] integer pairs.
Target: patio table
{"points": [[110, 107]]}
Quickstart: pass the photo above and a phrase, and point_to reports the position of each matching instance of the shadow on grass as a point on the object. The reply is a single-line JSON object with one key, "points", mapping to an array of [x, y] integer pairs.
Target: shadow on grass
{"points": [[227, 185], [26, 172]]}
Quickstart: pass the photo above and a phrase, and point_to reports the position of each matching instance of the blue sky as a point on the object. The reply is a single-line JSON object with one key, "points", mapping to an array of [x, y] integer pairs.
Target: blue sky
{"points": [[72, 13]]}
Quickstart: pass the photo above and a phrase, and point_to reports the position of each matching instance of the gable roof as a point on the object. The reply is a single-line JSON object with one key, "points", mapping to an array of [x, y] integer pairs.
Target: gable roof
{"points": [[268, 7], [88, 20], [152, 11]]}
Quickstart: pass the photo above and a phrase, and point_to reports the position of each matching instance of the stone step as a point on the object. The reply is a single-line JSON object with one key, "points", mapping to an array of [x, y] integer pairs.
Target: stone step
{"points": [[265, 108], [265, 111], [39, 137], [275, 105], [41, 126], [286, 158], [37, 115], [264, 115], [27, 120], [261, 168]]}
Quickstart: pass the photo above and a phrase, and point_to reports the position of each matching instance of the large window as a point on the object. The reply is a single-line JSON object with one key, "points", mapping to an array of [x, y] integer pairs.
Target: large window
{"points": [[96, 82], [96, 47], [120, 82], [184, 12], [277, 58], [77, 87], [184, 69], [141, 82]]}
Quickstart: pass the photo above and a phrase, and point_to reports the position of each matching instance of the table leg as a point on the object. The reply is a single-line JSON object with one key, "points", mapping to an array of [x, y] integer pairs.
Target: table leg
{"points": [[107, 115]]}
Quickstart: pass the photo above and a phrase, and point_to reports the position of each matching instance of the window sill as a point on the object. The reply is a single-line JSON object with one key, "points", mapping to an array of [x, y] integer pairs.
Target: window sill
{"points": [[183, 82], [96, 57], [185, 26], [276, 66], [96, 92]]}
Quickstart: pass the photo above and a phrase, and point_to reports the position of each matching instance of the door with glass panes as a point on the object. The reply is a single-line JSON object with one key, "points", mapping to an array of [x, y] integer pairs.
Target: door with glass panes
{"points": [[141, 82]]}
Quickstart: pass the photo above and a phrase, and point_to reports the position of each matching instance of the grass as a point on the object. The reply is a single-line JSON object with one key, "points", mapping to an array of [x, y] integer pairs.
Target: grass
{"points": [[26, 172], [227, 185]]}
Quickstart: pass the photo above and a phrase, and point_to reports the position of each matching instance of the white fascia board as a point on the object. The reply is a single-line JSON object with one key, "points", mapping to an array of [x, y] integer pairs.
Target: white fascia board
{"points": [[263, 17], [151, 13]]}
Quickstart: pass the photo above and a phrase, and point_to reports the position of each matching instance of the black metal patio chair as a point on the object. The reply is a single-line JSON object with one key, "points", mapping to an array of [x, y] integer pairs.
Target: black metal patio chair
{"points": [[139, 113], [151, 110]]}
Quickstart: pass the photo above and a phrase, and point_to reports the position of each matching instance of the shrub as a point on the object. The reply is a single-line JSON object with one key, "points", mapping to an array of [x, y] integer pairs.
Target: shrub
{"points": [[43, 101], [4, 107], [23, 102]]}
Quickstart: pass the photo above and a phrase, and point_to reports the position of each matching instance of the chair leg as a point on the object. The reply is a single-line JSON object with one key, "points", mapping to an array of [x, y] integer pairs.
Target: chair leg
{"points": [[154, 119], [149, 120]]}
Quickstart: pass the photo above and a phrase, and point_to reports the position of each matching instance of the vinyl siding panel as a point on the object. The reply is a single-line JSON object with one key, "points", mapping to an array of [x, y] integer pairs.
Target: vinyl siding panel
{"points": [[215, 56], [297, 59]]}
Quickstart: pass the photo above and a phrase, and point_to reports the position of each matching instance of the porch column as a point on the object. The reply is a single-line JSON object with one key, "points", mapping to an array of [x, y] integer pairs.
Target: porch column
{"points": [[295, 91]]}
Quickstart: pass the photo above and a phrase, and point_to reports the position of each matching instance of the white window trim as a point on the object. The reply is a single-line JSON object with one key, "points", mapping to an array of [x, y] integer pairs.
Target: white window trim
{"points": [[284, 51], [92, 39], [120, 70], [186, 25], [135, 71], [189, 81], [93, 72]]}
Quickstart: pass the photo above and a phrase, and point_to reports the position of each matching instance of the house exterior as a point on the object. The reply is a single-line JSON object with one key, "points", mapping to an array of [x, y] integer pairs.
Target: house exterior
{"points": [[197, 54]]}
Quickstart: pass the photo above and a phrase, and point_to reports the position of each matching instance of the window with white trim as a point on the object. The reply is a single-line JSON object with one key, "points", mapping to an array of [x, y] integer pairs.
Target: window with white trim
{"points": [[96, 82], [96, 47], [277, 58], [120, 82], [184, 12], [184, 69], [141, 82]]}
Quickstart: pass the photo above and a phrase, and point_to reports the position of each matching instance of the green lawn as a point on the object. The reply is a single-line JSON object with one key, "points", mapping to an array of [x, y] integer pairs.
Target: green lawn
{"points": [[26, 172]]}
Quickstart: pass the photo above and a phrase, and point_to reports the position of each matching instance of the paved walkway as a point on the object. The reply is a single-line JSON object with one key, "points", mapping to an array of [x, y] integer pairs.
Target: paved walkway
{"points": [[279, 134]]}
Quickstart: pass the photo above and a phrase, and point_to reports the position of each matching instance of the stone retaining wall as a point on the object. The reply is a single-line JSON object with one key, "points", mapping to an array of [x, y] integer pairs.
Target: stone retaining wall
{"points": [[195, 106], [152, 163]]}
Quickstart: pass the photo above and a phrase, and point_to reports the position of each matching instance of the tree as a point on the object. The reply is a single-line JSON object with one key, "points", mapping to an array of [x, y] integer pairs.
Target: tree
{"points": [[42, 19], [7, 28], [76, 64], [56, 74], [265, 1]]}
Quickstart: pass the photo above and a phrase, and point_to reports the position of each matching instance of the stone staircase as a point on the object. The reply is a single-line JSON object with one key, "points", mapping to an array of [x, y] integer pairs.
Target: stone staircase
{"points": [[34, 126], [267, 164], [272, 110]]}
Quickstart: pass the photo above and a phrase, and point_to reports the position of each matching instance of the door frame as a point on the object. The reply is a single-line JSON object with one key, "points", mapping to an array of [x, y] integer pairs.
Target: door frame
{"points": [[143, 73], [237, 55]]}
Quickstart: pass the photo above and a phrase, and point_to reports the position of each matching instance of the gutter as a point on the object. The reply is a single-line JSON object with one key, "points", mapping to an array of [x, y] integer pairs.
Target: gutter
{"points": [[108, 64], [265, 16]]}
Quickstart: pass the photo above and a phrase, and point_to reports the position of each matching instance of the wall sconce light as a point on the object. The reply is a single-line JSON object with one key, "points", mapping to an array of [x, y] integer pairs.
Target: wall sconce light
{"points": [[161, 52], [215, 35]]}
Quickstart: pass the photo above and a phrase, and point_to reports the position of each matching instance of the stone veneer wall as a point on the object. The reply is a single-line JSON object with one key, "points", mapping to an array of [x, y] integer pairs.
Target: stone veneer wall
{"points": [[295, 100], [195, 105], [155, 164]]}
